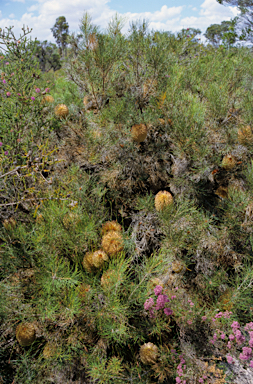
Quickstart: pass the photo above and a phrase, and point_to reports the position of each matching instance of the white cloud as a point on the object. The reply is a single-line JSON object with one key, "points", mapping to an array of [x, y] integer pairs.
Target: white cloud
{"points": [[12, 15], [19, 1], [33, 8], [168, 19], [216, 12]]}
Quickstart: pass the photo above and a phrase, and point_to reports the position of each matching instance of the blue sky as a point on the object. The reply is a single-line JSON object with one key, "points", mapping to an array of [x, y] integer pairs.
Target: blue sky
{"points": [[164, 15]]}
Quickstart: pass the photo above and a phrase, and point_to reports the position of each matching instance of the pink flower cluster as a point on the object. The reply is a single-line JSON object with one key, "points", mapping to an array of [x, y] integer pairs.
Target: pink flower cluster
{"points": [[237, 338], [160, 303], [219, 315], [180, 369]]}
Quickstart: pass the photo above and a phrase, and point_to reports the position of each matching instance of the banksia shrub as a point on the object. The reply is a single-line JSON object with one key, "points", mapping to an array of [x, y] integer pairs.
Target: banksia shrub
{"points": [[245, 135], [112, 243], [99, 257], [9, 224], [139, 132], [47, 99], [177, 266], [108, 277], [149, 87], [39, 218], [25, 334], [148, 353], [228, 162], [61, 110], [82, 291], [49, 350], [71, 219], [162, 200], [111, 226]]}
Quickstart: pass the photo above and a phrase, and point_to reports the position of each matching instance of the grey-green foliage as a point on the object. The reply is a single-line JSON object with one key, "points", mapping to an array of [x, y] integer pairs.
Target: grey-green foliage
{"points": [[98, 57]]}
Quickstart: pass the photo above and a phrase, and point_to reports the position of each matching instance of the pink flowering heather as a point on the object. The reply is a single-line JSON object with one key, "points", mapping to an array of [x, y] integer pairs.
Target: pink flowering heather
{"points": [[230, 359], [7, 63], [4, 81], [168, 311], [251, 363], [161, 300], [148, 303], [231, 337], [37, 90], [235, 325], [158, 289], [223, 336], [246, 353], [12, 74], [47, 90], [201, 380], [151, 313], [1, 143], [6, 153], [204, 318], [8, 94], [249, 326], [33, 98], [173, 297], [19, 94], [227, 314], [239, 337]]}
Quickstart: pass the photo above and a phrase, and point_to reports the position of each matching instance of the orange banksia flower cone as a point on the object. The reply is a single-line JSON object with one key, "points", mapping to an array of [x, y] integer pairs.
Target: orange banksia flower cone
{"points": [[228, 162], [25, 334], [61, 110], [139, 132], [47, 99], [88, 261], [245, 135], [112, 243], [99, 257], [162, 200], [49, 350], [111, 226], [148, 353]]}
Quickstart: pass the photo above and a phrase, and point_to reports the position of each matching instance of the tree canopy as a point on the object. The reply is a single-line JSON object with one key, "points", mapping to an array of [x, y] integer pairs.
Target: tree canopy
{"points": [[60, 32], [245, 19]]}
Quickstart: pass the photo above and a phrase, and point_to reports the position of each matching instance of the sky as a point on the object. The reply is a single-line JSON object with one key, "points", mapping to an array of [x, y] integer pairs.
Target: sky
{"points": [[162, 15]]}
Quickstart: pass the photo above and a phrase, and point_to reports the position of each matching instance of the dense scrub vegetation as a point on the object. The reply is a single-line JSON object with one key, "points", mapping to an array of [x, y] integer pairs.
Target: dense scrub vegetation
{"points": [[126, 211]]}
